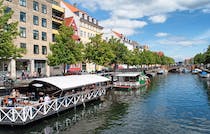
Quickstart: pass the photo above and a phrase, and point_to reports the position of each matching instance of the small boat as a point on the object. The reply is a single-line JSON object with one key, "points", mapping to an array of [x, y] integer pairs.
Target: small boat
{"points": [[130, 80], [196, 71], [48, 96], [204, 74], [185, 70], [161, 71]]}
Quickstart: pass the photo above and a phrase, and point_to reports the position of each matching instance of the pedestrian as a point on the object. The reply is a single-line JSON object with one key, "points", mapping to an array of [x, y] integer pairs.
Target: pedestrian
{"points": [[23, 75]]}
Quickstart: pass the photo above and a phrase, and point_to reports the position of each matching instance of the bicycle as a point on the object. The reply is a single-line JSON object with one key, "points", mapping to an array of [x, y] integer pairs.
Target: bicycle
{"points": [[8, 82]]}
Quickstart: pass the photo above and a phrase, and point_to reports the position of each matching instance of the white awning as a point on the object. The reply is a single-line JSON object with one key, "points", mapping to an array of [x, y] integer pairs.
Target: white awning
{"points": [[72, 81], [128, 74]]}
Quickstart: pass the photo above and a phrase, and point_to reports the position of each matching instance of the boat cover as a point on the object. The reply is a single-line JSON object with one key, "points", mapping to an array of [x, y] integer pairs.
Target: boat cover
{"points": [[134, 74], [72, 81]]}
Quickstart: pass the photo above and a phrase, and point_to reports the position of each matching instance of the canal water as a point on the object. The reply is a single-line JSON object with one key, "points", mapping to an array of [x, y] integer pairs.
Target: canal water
{"points": [[173, 103]]}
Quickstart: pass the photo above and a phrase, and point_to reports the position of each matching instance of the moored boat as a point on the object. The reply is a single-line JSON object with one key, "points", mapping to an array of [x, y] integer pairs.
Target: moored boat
{"points": [[130, 80], [161, 71], [47, 96], [196, 71], [204, 74]]}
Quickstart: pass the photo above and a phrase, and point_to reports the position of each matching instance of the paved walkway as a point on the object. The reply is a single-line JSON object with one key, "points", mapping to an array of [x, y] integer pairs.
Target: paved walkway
{"points": [[18, 83]]}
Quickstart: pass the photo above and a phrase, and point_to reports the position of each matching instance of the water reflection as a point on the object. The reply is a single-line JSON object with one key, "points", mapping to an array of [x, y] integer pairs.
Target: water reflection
{"points": [[104, 113], [67, 121]]}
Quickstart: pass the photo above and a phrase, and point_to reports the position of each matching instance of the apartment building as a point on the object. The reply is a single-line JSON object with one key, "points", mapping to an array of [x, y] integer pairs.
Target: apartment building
{"points": [[130, 44], [87, 27], [38, 22]]}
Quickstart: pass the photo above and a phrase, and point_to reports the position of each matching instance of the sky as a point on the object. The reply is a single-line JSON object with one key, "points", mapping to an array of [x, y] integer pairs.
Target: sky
{"points": [[179, 28]]}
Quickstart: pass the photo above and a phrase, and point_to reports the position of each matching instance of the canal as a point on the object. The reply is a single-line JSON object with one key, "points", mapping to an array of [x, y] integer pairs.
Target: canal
{"points": [[174, 103]]}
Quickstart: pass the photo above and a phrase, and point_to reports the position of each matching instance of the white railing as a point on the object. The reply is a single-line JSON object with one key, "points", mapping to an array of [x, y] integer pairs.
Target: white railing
{"points": [[132, 84], [39, 110]]}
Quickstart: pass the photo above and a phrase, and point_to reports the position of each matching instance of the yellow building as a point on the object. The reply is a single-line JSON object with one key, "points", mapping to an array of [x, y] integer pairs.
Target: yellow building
{"points": [[38, 21]]}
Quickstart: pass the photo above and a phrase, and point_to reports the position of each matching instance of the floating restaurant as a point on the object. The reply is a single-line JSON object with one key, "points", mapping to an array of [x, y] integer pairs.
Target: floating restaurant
{"points": [[48, 96]]}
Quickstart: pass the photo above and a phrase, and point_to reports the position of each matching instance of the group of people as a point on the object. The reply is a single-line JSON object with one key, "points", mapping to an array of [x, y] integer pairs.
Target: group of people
{"points": [[15, 93], [12, 98], [44, 98], [25, 75]]}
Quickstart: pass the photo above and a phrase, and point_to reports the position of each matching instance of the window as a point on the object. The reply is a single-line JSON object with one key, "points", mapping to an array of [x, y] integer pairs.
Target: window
{"points": [[22, 17], [23, 32], [84, 34], [53, 37], [36, 20], [44, 9], [44, 50], [7, 10], [23, 45], [36, 6], [35, 34], [81, 33], [44, 22], [36, 49], [22, 2], [44, 36]]}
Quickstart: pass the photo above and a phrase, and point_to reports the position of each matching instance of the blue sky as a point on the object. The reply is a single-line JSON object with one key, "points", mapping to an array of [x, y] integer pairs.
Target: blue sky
{"points": [[179, 28]]}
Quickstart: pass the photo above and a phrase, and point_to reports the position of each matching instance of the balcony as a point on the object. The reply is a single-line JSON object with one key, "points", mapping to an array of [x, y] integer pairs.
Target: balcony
{"points": [[58, 8], [57, 17]]}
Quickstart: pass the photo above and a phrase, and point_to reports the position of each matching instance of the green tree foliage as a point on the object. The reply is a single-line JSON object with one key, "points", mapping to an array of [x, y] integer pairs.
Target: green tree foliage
{"points": [[120, 52], [98, 51], [65, 50], [199, 58], [8, 32], [207, 56]]}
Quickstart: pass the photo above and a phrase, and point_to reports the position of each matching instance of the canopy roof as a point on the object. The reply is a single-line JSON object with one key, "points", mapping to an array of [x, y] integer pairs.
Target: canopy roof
{"points": [[134, 74], [72, 81]]}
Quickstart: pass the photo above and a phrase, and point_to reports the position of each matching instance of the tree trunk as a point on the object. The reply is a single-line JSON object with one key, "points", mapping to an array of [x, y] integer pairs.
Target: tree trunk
{"points": [[115, 67], [64, 69], [96, 68]]}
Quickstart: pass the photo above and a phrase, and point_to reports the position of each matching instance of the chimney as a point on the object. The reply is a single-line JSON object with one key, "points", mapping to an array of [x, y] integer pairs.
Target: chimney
{"points": [[75, 4]]}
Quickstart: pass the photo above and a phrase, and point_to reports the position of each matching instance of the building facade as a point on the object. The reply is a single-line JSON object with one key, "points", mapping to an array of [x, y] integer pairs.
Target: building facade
{"points": [[38, 21], [130, 44], [87, 27]]}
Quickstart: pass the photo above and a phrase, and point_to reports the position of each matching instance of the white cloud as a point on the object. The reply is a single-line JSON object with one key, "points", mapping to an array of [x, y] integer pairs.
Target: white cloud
{"points": [[158, 18], [206, 10], [131, 10], [205, 35], [161, 34], [181, 41], [124, 26], [141, 8]]}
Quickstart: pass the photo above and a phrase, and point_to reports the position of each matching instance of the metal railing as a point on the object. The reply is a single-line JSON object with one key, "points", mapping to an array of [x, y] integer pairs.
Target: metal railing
{"points": [[36, 111]]}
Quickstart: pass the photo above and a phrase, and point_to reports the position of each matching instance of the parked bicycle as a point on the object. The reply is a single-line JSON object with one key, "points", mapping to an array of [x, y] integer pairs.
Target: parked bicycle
{"points": [[7, 82]]}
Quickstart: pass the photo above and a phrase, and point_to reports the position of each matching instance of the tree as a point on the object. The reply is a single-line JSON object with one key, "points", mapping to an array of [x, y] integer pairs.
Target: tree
{"points": [[8, 32], [207, 56], [65, 50], [120, 52], [98, 51], [199, 58]]}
